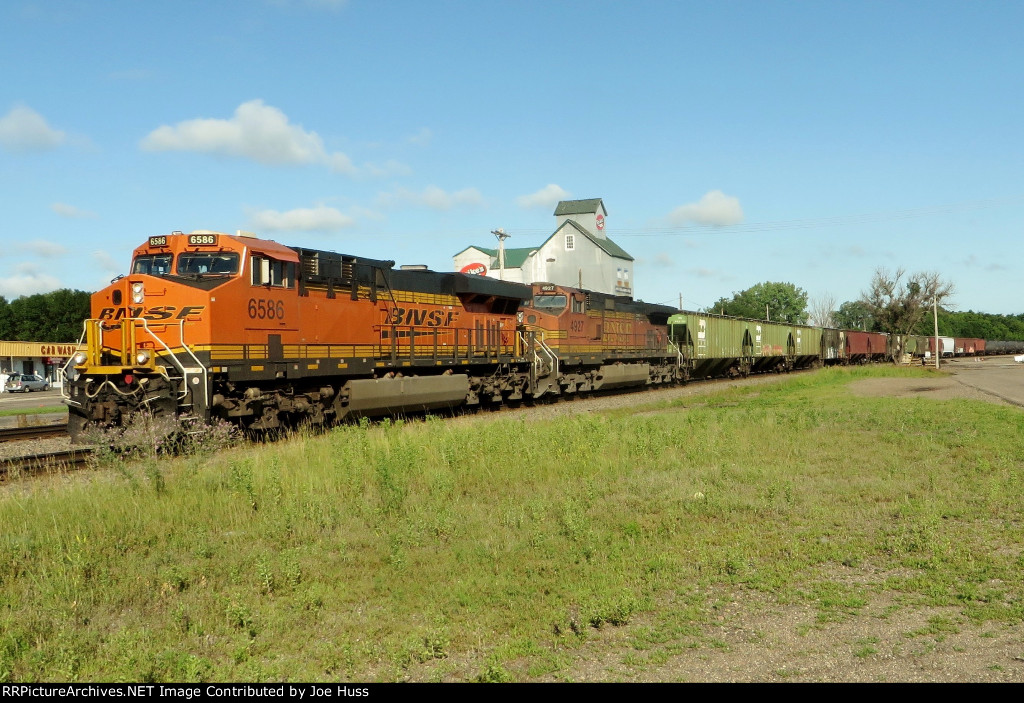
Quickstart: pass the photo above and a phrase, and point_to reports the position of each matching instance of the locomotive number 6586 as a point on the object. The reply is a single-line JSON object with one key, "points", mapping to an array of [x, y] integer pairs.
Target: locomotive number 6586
{"points": [[260, 309]]}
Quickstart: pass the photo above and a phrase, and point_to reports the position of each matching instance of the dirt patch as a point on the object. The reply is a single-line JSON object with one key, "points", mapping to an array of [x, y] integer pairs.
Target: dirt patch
{"points": [[938, 388], [755, 640]]}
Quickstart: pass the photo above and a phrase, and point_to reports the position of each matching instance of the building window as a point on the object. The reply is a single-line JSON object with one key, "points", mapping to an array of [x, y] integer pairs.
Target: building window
{"points": [[570, 242]]}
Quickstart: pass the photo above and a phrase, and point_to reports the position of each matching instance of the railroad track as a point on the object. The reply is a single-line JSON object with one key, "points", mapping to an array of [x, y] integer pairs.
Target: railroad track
{"points": [[17, 434], [17, 467]]}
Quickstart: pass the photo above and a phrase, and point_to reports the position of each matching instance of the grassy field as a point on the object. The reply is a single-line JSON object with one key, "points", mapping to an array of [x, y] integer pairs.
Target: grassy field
{"points": [[57, 407], [493, 548]]}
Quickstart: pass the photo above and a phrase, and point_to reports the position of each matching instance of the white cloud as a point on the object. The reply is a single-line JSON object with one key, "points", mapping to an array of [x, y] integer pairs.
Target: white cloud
{"points": [[422, 137], [364, 213], [24, 129], [72, 212], [256, 131], [431, 197], [715, 208], [388, 168], [42, 248], [106, 262], [315, 219], [546, 197], [703, 272], [27, 281]]}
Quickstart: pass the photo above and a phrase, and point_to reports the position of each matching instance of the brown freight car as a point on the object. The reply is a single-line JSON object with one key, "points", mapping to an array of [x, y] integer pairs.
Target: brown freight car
{"points": [[862, 347]]}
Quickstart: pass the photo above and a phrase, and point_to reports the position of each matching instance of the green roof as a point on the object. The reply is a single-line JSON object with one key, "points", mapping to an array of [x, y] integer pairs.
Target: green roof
{"points": [[514, 258], [609, 247], [489, 252], [577, 207]]}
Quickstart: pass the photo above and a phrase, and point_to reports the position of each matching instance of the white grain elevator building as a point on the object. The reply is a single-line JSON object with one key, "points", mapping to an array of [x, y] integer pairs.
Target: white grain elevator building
{"points": [[579, 253]]}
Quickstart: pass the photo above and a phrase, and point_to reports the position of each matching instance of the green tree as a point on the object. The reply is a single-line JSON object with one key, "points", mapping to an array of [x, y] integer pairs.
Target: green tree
{"points": [[6, 320], [854, 315], [45, 317], [899, 302], [67, 310], [975, 324], [784, 302]]}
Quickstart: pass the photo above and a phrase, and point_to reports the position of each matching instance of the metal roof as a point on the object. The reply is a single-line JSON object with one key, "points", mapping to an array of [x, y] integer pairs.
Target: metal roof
{"points": [[607, 245], [578, 207]]}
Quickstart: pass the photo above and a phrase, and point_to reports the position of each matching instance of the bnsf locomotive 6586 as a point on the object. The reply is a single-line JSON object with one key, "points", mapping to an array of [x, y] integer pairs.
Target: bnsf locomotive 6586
{"points": [[211, 325]]}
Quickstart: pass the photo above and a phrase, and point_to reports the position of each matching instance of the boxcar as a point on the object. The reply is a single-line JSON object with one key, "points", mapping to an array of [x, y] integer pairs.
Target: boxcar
{"points": [[862, 347]]}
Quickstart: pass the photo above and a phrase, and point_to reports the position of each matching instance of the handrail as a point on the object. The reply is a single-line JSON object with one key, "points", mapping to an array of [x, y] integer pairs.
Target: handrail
{"points": [[128, 338], [672, 346], [539, 339], [184, 372], [65, 380], [551, 354]]}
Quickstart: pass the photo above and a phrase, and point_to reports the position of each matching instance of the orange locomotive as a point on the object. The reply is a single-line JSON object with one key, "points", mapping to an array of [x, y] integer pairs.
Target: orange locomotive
{"points": [[211, 325], [589, 341]]}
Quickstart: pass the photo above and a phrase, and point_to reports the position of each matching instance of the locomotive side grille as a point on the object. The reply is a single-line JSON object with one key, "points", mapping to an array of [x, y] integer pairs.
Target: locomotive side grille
{"points": [[310, 266], [326, 267]]}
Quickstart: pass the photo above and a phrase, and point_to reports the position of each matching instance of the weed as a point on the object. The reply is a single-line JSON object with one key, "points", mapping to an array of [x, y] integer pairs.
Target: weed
{"points": [[494, 673]]}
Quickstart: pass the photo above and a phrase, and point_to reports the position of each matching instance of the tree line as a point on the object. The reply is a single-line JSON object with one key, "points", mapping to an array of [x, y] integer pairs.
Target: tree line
{"points": [[895, 302], [44, 317]]}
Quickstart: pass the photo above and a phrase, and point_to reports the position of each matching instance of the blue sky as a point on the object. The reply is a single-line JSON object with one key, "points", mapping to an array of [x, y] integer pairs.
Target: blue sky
{"points": [[732, 142]]}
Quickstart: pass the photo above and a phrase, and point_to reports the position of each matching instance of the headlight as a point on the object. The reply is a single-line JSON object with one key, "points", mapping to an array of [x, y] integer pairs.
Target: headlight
{"points": [[79, 358], [137, 293], [142, 358]]}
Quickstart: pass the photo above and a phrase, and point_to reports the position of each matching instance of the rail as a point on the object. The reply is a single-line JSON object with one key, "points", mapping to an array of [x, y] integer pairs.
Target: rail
{"points": [[18, 434], [38, 463]]}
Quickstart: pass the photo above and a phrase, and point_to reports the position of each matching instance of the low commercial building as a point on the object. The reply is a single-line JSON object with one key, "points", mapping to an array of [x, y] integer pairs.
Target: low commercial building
{"points": [[42, 358]]}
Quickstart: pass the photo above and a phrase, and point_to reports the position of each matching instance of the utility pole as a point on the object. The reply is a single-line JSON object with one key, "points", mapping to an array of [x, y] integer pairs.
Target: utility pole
{"points": [[935, 313], [502, 236]]}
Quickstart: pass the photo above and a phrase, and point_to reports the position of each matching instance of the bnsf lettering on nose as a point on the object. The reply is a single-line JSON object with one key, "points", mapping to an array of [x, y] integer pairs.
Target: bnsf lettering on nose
{"points": [[159, 312], [420, 317]]}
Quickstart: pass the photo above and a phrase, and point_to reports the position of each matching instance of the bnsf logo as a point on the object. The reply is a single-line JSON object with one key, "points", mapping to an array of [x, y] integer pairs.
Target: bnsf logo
{"points": [[421, 317], [159, 312]]}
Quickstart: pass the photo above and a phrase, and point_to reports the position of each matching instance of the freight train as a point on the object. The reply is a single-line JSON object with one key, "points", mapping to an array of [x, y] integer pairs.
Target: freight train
{"points": [[214, 326]]}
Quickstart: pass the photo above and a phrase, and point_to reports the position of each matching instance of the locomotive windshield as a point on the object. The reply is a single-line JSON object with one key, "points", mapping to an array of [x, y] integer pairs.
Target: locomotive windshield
{"points": [[549, 302], [152, 264], [223, 263]]}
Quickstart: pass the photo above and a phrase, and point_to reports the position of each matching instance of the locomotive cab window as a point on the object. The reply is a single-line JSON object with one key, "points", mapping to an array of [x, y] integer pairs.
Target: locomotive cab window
{"points": [[552, 303], [152, 264], [271, 272], [201, 263]]}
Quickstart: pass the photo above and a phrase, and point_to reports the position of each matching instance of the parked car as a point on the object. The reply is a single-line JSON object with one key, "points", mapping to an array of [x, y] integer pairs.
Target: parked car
{"points": [[26, 382]]}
